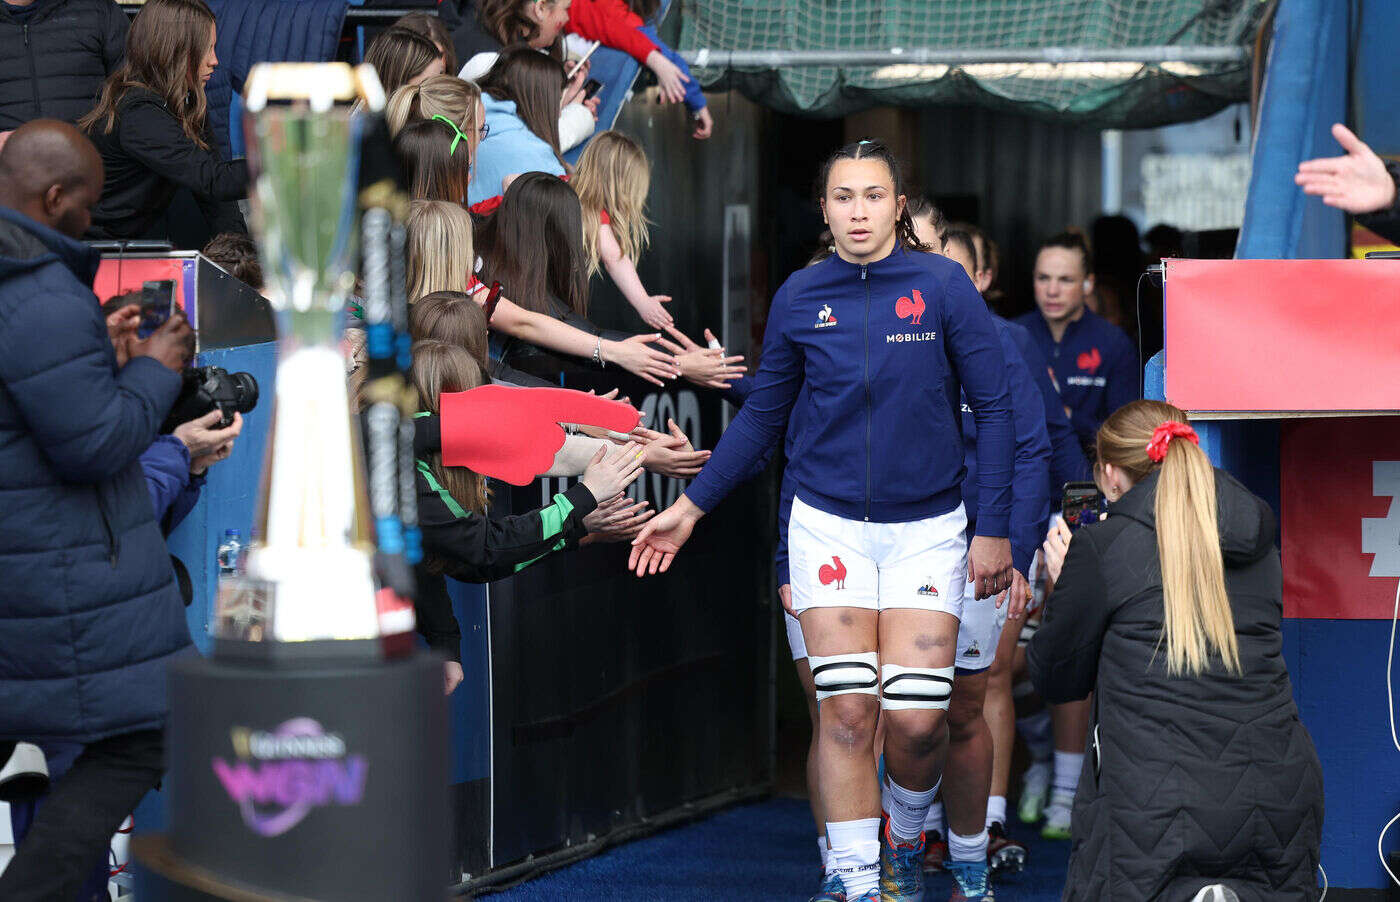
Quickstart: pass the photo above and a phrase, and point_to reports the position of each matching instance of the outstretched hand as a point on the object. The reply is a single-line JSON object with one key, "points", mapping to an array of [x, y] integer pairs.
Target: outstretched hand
{"points": [[618, 519], [669, 454], [660, 540], [1357, 182], [705, 367], [636, 355], [651, 311]]}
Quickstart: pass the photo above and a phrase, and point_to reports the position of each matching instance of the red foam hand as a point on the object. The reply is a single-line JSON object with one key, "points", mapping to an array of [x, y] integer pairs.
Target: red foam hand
{"points": [[512, 434]]}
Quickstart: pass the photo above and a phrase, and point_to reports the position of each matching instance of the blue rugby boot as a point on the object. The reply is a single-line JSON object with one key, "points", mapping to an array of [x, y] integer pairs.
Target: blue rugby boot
{"points": [[833, 890], [969, 881], [901, 869]]}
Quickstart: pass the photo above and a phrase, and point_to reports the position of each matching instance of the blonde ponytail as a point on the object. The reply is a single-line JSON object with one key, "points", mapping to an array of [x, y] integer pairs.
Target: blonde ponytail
{"points": [[441, 95], [1196, 610], [1196, 615], [396, 111]]}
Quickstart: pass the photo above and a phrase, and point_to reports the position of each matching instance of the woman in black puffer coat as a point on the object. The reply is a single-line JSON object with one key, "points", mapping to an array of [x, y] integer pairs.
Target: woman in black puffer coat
{"points": [[54, 56], [1200, 781], [151, 127]]}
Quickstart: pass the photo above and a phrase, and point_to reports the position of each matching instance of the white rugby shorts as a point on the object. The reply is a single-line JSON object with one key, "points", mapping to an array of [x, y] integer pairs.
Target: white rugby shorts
{"points": [[979, 631], [835, 562], [796, 643]]}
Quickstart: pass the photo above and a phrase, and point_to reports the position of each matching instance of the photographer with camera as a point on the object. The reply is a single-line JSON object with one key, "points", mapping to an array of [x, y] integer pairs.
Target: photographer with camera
{"points": [[90, 614], [1199, 783], [175, 463]]}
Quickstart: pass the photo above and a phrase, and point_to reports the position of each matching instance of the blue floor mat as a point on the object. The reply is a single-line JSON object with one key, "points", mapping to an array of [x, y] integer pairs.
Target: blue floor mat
{"points": [[766, 850]]}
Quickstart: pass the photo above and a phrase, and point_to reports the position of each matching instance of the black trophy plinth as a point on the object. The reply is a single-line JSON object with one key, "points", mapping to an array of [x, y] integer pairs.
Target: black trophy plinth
{"points": [[325, 782]]}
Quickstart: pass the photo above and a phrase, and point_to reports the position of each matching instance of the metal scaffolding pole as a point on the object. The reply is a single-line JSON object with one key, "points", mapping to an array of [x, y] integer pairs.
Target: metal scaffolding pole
{"points": [[926, 56]]}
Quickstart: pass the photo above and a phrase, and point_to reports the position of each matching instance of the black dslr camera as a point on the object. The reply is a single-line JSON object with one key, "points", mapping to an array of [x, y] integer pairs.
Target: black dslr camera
{"points": [[208, 387]]}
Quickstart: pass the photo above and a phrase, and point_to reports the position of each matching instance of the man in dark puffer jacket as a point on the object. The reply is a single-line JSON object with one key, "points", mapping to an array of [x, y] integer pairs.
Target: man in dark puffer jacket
{"points": [[90, 614], [54, 56], [1204, 781]]}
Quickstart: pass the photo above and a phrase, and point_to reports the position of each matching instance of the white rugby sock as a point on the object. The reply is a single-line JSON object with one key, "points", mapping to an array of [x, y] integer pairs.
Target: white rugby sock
{"points": [[996, 810], [1067, 766], [908, 809], [967, 848], [825, 851], [855, 854]]}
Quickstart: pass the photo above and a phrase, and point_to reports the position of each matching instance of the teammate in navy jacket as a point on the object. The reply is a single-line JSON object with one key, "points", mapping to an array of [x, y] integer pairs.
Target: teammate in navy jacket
{"points": [[1067, 460], [1095, 363], [884, 338]]}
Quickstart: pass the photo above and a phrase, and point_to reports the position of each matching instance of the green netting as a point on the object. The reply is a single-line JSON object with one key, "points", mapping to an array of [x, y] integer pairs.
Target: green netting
{"points": [[1101, 94]]}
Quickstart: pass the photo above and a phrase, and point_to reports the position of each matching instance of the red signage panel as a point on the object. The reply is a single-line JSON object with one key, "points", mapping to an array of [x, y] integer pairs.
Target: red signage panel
{"points": [[1340, 495], [1283, 335]]}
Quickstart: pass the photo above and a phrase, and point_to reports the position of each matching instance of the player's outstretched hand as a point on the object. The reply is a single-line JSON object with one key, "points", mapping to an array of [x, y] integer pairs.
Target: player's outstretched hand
{"points": [[660, 540]]}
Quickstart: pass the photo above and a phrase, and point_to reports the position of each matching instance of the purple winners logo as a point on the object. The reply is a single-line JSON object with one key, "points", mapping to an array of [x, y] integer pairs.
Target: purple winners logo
{"points": [[280, 776]]}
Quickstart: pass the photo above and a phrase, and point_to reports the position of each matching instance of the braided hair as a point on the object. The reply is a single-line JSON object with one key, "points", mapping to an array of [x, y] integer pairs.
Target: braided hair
{"points": [[873, 149]]}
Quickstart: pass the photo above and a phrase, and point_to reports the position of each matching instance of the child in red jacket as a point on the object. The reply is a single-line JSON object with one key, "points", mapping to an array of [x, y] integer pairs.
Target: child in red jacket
{"points": [[620, 24]]}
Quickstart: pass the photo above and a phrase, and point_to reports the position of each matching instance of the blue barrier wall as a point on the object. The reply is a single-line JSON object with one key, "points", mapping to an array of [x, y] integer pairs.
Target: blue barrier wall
{"points": [[230, 495]]}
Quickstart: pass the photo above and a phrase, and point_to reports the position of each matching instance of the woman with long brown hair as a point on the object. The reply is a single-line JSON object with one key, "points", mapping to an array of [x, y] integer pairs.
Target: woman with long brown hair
{"points": [[151, 127], [521, 96], [534, 244], [1199, 781], [437, 156], [402, 56], [430, 26]]}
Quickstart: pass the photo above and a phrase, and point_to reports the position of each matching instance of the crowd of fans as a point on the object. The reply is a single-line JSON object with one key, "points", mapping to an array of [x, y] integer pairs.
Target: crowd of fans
{"points": [[104, 124]]}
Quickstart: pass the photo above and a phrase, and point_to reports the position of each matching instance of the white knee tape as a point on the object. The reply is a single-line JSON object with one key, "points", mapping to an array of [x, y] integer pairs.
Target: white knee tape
{"points": [[902, 688], [845, 674]]}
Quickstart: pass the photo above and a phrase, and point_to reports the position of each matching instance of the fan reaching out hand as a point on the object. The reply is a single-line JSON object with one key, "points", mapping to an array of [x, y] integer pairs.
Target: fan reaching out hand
{"points": [[705, 367], [1357, 182]]}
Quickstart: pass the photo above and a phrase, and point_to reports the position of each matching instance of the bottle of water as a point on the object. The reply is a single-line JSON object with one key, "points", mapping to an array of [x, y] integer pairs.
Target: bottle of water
{"points": [[229, 551]]}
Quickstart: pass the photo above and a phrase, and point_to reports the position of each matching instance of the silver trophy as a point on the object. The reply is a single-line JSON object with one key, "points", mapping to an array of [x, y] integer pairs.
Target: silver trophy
{"points": [[310, 573]]}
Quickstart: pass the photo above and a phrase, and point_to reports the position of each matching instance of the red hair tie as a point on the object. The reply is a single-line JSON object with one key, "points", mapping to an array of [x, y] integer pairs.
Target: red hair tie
{"points": [[1163, 435]]}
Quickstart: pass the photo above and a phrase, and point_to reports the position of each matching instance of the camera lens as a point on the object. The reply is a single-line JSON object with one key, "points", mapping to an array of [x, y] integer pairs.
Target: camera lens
{"points": [[245, 391]]}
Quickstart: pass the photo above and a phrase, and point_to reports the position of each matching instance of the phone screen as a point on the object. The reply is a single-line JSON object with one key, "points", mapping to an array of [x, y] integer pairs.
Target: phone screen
{"points": [[157, 301], [591, 87], [1081, 504], [492, 298]]}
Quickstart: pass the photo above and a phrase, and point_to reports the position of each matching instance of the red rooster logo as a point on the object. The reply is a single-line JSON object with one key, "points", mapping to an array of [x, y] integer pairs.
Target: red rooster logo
{"points": [[829, 574], [1090, 360], [906, 308]]}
